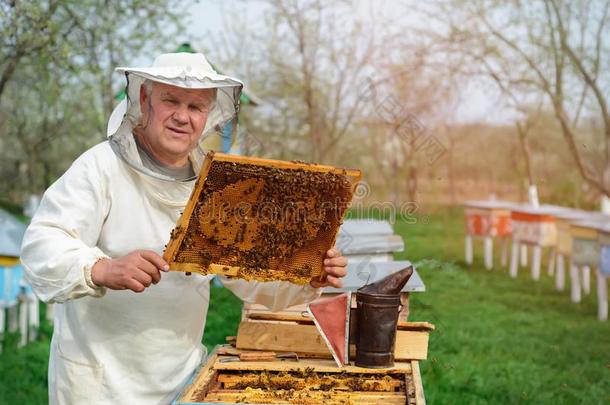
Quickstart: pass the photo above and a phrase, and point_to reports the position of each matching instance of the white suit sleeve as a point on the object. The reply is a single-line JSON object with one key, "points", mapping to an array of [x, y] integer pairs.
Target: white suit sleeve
{"points": [[58, 248], [275, 295]]}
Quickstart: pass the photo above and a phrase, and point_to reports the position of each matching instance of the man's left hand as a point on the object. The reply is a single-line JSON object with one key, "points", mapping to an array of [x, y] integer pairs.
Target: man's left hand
{"points": [[335, 268]]}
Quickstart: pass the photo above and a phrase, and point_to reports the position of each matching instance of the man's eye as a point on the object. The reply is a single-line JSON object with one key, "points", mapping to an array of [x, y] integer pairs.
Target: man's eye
{"points": [[197, 108], [169, 101]]}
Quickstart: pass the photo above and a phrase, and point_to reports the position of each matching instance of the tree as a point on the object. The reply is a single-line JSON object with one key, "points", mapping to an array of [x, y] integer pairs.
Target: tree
{"points": [[557, 49], [306, 59], [56, 78], [28, 29]]}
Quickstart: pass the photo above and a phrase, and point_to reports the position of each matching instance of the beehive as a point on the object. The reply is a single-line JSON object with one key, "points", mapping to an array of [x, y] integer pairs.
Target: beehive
{"points": [[306, 381], [585, 244], [488, 218], [261, 219], [535, 226]]}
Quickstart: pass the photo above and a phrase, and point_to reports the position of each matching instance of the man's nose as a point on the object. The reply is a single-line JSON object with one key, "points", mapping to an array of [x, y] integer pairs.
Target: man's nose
{"points": [[181, 115]]}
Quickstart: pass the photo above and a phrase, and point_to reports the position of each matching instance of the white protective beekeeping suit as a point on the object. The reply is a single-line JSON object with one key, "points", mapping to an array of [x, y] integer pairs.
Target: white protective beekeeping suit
{"points": [[119, 347]]}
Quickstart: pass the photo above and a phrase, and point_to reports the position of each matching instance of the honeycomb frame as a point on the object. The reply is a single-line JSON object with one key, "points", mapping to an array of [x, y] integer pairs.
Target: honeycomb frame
{"points": [[261, 219]]}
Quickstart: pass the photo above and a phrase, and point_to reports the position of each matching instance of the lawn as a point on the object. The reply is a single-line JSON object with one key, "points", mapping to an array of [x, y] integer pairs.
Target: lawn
{"points": [[498, 340]]}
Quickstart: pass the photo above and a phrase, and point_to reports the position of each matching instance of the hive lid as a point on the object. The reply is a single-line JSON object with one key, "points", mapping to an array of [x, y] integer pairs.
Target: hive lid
{"points": [[365, 227], [261, 219], [370, 244], [491, 204], [331, 317]]}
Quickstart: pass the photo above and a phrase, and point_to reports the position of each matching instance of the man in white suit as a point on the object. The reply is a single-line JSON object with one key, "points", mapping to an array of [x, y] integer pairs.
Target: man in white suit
{"points": [[99, 232]]}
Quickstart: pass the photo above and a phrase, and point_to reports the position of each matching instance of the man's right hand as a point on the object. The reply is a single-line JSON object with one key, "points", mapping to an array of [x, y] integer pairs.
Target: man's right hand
{"points": [[136, 271]]}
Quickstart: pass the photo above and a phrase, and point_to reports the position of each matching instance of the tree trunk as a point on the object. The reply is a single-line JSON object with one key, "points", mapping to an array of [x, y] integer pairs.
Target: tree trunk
{"points": [[412, 182], [532, 190], [8, 72], [450, 168]]}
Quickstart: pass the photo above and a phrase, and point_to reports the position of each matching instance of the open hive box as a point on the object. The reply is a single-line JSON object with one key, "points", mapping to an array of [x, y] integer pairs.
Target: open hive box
{"points": [[261, 219], [306, 381]]}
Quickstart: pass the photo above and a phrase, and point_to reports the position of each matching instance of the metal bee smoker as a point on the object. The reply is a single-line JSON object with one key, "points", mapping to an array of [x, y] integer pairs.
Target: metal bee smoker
{"points": [[378, 306]]}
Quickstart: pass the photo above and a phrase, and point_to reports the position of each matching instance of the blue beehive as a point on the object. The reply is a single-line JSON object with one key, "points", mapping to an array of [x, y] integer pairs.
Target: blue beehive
{"points": [[11, 271], [10, 284]]}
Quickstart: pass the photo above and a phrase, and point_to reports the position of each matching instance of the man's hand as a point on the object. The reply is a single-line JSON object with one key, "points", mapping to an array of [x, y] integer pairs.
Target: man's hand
{"points": [[335, 267], [135, 272]]}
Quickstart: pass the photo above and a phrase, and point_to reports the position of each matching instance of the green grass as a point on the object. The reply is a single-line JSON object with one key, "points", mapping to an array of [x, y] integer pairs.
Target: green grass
{"points": [[498, 340], [224, 315], [23, 372]]}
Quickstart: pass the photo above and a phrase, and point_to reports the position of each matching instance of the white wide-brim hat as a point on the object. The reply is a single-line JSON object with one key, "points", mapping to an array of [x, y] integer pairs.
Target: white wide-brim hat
{"points": [[185, 70]]}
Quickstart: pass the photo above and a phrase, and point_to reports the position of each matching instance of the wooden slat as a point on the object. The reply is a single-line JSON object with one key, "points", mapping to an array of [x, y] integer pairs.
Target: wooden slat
{"points": [[180, 230], [189, 267], [420, 399], [317, 365], [410, 389], [228, 349], [416, 326], [224, 157], [309, 397], [281, 337], [305, 318], [280, 316], [410, 345], [305, 339], [343, 383], [201, 384]]}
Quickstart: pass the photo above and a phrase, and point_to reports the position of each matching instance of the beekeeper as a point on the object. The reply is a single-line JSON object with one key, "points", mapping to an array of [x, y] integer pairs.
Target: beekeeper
{"points": [[127, 332]]}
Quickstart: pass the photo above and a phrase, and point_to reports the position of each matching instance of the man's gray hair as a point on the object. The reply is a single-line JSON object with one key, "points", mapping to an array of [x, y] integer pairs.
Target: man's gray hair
{"points": [[147, 84]]}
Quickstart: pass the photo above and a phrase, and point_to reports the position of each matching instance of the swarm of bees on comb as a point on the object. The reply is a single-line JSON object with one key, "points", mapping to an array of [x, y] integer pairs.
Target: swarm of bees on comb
{"points": [[261, 219], [305, 387]]}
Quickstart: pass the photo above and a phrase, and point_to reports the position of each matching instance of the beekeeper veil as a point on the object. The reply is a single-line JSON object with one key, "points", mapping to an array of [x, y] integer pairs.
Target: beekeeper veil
{"points": [[185, 70]]}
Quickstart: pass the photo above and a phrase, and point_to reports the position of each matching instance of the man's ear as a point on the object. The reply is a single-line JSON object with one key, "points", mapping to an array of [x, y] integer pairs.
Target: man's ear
{"points": [[143, 99]]}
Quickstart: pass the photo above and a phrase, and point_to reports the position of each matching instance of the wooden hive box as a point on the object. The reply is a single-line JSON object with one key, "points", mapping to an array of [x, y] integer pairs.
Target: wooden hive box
{"points": [[564, 237], [261, 219], [585, 244], [488, 218], [604, 246], [535, 226], [304, 381], [296, 332]]}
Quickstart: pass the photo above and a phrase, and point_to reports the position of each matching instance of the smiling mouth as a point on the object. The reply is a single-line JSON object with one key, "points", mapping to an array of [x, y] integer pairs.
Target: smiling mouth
{"points": [[178, 131]]}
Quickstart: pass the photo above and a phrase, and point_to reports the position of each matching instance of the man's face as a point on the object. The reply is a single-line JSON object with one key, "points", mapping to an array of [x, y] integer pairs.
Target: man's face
{"points": [[173, 119]]}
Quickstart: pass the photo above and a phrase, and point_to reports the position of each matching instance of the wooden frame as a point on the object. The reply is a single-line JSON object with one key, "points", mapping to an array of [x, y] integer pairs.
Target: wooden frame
{"points": [[184, 229]]}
